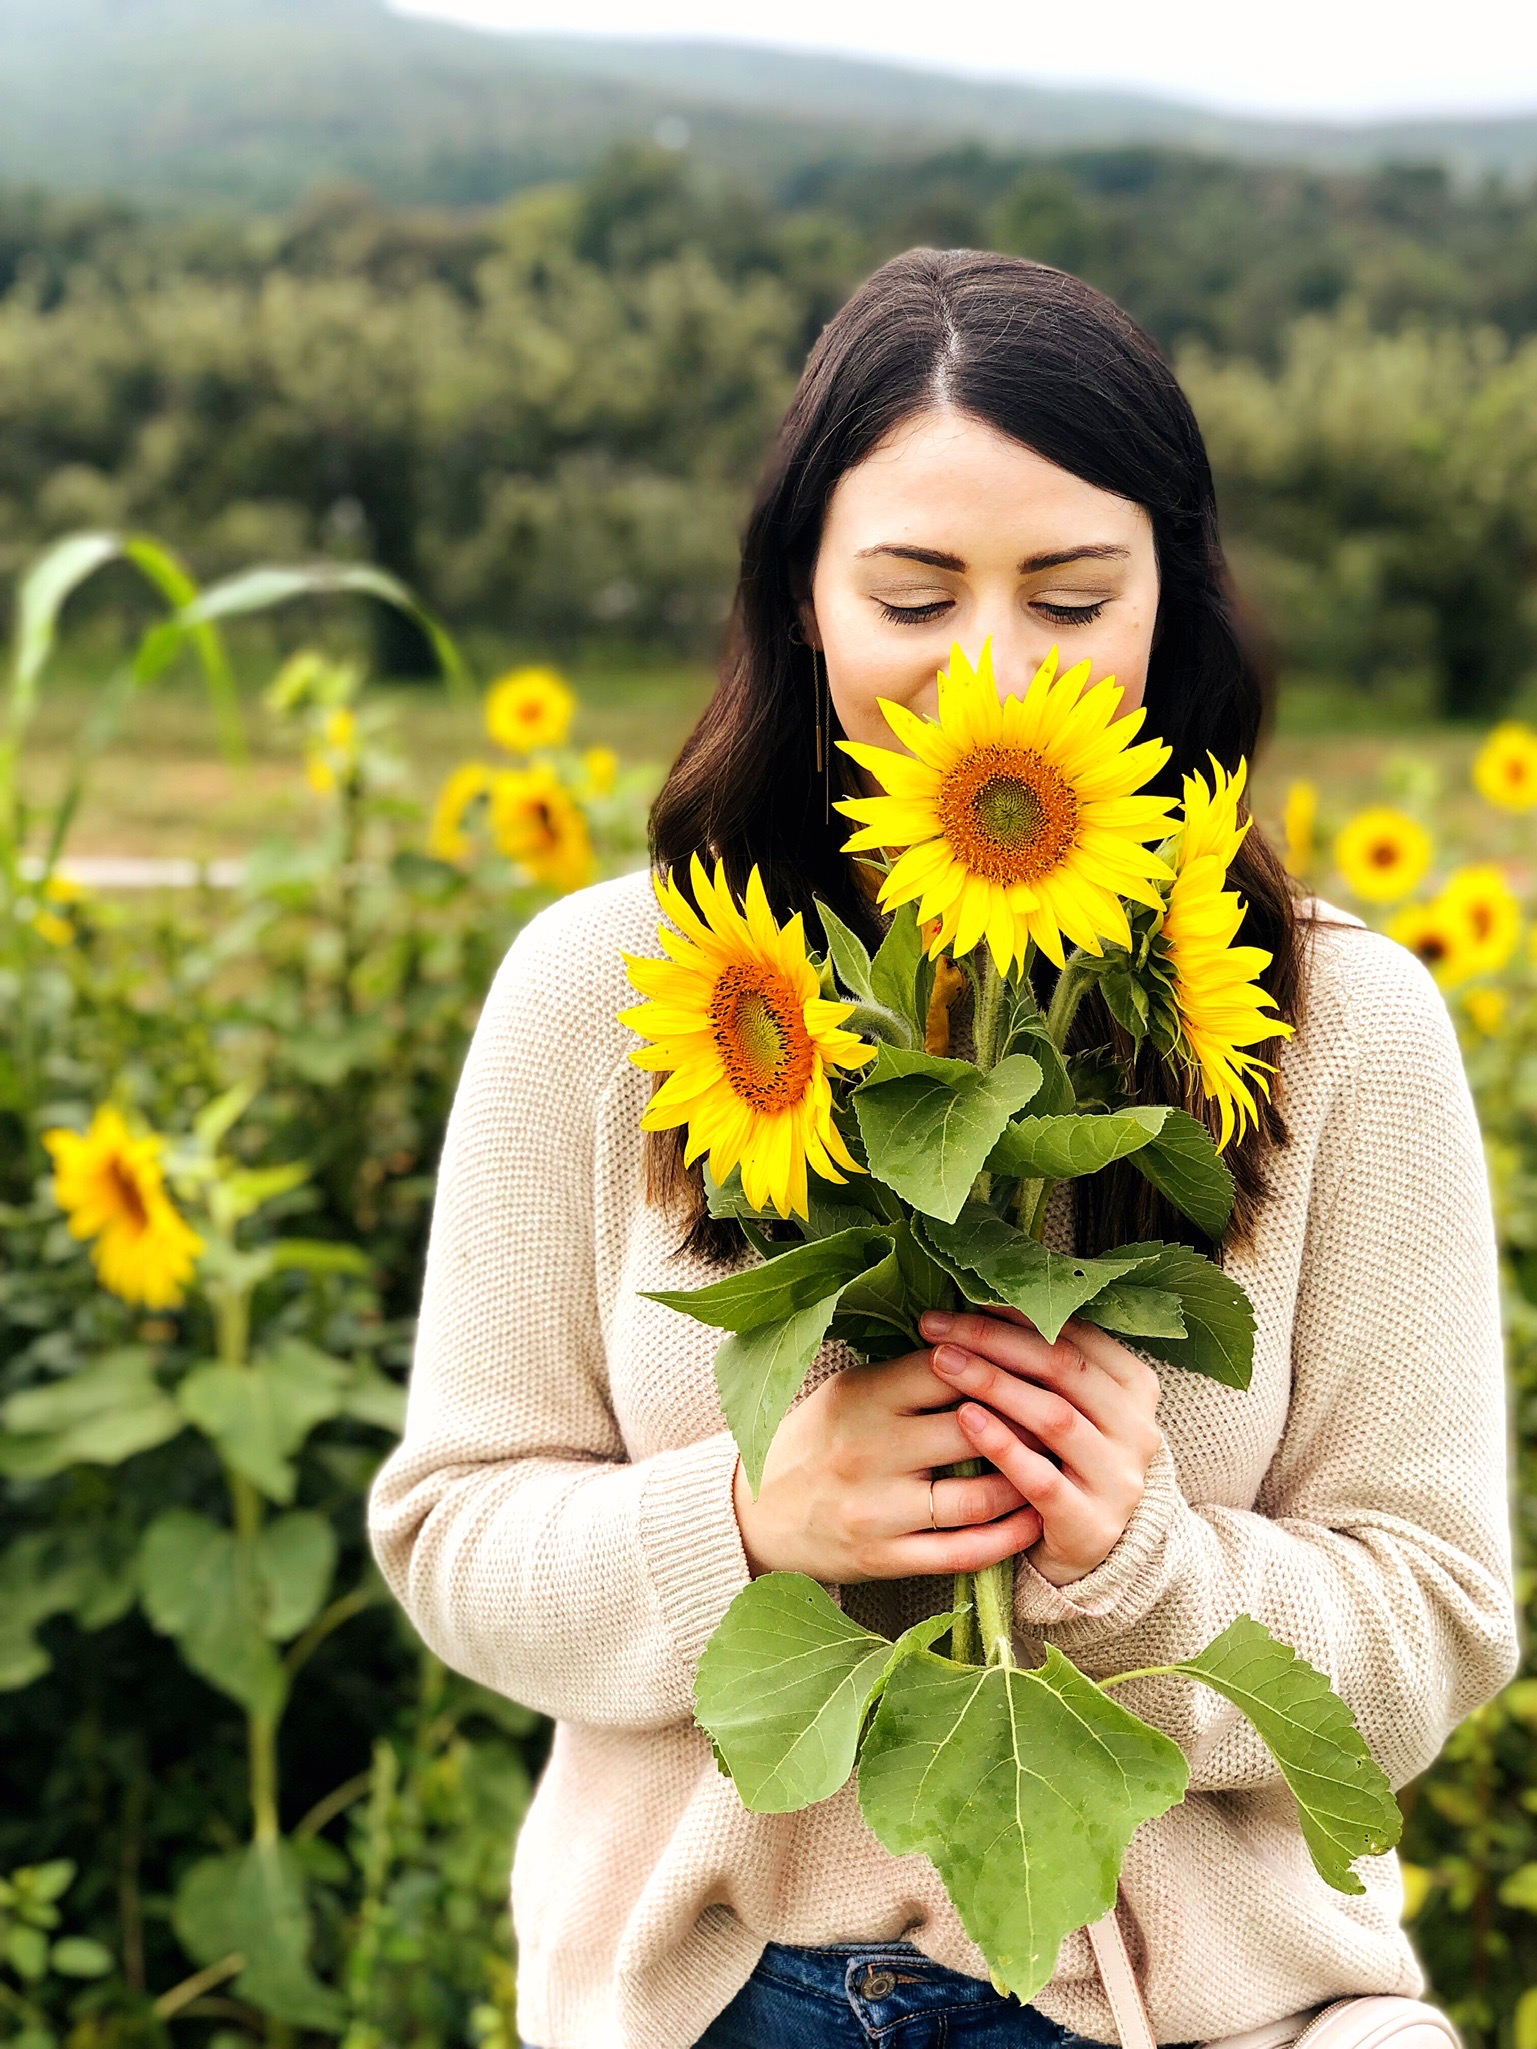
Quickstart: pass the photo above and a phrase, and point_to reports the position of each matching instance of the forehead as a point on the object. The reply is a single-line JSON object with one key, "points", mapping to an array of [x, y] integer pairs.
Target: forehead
{"points": [[946, 480]]}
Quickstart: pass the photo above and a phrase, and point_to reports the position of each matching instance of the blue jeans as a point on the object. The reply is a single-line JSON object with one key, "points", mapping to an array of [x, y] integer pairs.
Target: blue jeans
{"points": [[874, 1996]]}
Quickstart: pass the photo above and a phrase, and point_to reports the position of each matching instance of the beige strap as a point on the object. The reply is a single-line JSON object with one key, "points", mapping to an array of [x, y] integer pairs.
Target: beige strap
{"points": [[1120, 1982]]}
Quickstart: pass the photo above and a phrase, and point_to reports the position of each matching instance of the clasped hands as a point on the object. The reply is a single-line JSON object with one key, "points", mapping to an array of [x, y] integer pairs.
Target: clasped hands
{"points": [[1067, 1432]]}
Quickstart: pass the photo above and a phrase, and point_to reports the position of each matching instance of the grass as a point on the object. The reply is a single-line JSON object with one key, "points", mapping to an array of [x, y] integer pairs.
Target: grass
{"points": [[162, 788]]}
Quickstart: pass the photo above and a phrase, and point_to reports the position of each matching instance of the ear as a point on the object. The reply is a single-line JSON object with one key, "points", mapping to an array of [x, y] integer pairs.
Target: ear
{"points": [[805, 610]]}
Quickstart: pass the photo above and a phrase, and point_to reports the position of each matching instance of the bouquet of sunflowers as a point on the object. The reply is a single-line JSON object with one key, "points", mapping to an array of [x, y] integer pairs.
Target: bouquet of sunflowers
{"points": [[912, 1180]]}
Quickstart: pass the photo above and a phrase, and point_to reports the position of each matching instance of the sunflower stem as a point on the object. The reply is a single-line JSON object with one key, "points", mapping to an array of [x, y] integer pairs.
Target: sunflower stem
{"points": [[1072, 987], [995, 1611], [990, 989]]}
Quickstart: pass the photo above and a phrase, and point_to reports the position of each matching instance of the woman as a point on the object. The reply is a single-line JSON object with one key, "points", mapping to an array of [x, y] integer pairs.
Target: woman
{"points": [[979, 448]]}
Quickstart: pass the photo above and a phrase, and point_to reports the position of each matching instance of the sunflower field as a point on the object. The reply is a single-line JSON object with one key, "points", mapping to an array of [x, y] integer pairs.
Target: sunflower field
{"points": [[239, 1802]]}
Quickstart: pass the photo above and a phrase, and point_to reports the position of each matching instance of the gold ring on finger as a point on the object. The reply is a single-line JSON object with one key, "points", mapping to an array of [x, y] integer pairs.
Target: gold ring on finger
{"points": [[933, 1525]]}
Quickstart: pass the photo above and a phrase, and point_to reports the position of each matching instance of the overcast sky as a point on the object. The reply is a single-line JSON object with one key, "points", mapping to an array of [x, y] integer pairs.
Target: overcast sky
{"points": [[1335, 58]]}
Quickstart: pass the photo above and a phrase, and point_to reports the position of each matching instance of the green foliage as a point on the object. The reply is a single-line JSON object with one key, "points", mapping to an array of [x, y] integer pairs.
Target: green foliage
{"points": [[552, 412], [930, 1124], [1024, 1789], [1346, 1805], [287, 1820]]}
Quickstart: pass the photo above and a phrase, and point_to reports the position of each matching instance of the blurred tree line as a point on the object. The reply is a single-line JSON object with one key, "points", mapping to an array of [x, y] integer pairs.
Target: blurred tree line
{"points": [[548, 415]]}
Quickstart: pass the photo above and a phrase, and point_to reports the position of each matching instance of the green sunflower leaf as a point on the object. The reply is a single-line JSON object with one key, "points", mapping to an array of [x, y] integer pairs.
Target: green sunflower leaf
{"points": [[1136, 1312], [1023, 1788], [928, 1124], [1062, 1148], [759, 1373], [984, 1251], [1183, 1163], [1218, 1315], [783, 1286], [1344, 1799], [784, 1686]]}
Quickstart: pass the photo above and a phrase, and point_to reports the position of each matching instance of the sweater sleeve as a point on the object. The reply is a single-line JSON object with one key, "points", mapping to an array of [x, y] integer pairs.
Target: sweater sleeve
{"points": [[531, 1554], [1379, 1546]]}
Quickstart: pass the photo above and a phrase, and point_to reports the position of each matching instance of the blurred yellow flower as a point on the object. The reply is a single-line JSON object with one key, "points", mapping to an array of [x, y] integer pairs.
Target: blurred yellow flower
{"points": [[333, 756], [1491, 910], [1439, 936], [1505, 767], [1487, 1009], [600, 765], [1382, 853], [1417, 1882], [536, 822], [446, 837], [529, 708], [1299, 822], [112, 1188], [50, 926]]}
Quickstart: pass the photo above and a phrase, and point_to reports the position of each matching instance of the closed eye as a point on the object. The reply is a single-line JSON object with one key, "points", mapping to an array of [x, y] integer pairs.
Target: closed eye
{"points": [[914, 615], [1070, 615]]}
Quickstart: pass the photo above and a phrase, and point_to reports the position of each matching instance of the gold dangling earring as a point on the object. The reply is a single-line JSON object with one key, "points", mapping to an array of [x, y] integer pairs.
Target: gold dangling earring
{"points": [[824, 717]]}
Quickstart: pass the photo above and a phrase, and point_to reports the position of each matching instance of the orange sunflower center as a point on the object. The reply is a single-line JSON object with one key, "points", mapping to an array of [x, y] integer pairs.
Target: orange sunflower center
{"points": [[1384, 853], [127, 1195], [1480, 920], [760, 1029], [1009, 815]]}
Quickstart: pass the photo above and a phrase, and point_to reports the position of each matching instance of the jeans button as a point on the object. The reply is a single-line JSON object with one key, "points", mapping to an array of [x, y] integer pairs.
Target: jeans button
{"points": [[878, 1985]]}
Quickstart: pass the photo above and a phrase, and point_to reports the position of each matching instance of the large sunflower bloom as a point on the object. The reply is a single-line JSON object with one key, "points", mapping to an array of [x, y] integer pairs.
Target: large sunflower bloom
{"points": [[1383, 853], [1222, 1008], [536, 822], [112, 1188], [746, 1039], [1017, 815]]}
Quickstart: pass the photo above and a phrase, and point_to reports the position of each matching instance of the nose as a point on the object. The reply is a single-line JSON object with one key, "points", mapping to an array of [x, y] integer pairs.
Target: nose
{"points": [[1020, 645]]}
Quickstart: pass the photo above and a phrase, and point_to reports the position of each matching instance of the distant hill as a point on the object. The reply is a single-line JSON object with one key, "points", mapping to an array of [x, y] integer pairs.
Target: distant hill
{"points": [[254, 101]]}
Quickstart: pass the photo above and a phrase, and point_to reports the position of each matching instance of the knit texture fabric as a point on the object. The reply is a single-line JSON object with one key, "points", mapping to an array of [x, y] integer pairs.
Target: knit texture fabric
{"points": [[558, 1522]]}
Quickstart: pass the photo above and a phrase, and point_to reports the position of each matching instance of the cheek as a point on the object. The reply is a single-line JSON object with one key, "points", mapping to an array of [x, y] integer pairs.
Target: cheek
{"points": [[868, 659]]}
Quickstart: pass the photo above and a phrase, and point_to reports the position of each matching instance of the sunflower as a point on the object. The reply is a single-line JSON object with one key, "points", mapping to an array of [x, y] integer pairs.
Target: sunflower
{"points": [[1017, 815], [529, 708], [1505, 767], [1487, 1009], [465, 786], [1299, 823], [332, 757], [746, 1039], [600, 768], [112, 1187], [1439, 936], [1222, 1008], [1491, 911], [536, 822], [1382, 853]]}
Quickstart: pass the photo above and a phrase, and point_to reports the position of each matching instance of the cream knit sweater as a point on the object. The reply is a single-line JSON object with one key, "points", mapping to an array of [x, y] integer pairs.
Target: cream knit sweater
{"points": [[558, 1522]]}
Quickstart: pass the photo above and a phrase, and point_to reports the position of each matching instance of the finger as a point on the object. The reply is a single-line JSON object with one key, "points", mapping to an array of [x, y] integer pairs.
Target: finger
{"points": [[959, 1502], [1085, 1364], [1050, 1421], [905, 1385], [919, 1444], [1076, 1521], [941, 1552]]}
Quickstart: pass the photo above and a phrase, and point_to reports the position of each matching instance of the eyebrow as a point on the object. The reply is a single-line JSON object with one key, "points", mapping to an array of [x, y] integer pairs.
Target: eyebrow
{"points": [[937, 558]]}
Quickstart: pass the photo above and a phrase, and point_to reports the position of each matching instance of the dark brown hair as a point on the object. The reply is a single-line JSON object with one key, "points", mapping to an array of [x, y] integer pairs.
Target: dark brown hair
{"points": [[1046, 359]]}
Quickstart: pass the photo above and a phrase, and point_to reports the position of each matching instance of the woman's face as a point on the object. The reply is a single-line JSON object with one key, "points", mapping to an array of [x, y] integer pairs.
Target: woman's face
{"points": [[949, 530]]}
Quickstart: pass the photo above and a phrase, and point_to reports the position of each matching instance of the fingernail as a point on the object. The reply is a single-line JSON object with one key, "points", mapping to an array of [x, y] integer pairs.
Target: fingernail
{"points": [[971, 1417], [935, 1322], [950, 1360]]}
